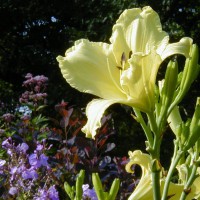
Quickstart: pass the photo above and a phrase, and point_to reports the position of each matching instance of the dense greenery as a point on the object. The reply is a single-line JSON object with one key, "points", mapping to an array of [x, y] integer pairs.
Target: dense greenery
{"points": [[33, 33]]}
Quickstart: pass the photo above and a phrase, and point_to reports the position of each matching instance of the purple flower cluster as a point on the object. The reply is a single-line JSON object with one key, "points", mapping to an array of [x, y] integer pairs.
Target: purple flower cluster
{"points": [[8, 117], [44, 194], [23, 171], [35, 89]]}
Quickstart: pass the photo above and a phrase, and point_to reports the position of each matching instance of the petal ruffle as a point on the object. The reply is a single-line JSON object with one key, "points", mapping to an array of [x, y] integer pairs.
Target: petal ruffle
{"points": [[94, 111], [138, 80], [182, 47], [140, 29], [86, 68], [143, 190]]}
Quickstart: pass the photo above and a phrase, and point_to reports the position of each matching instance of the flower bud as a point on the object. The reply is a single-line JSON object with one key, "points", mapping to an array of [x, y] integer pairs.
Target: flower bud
{"points": [[190, 73], [69, 190], [114, 189], [98, 186], [194, 126], [169, 85], [79, 183], [185, 132]]}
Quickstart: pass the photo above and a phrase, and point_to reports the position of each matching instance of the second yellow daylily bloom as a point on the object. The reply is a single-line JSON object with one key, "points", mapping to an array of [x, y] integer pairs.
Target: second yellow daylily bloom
{"points": [[144, 191], [124, 71]]}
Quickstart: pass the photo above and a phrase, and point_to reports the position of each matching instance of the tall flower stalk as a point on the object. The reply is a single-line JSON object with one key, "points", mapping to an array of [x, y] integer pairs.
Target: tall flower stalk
{"points": [[125, 71]]}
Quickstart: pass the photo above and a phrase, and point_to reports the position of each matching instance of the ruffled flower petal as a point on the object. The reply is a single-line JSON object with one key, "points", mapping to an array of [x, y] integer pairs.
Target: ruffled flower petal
{"points": [[182, 47], [90, 68], [141, 74], [137, 30], [94, 111], [143, 191]]}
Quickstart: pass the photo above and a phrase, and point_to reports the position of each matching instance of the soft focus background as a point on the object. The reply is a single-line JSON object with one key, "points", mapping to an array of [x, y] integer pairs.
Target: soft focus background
{"points": [[33, 33]]}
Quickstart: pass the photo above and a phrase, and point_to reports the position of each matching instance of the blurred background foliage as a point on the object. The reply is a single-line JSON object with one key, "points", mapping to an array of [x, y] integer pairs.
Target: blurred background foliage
{"points": [[33, 33]]}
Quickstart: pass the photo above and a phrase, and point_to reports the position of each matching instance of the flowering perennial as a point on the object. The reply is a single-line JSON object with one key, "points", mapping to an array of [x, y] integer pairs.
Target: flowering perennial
{"points": [[123, 71]]}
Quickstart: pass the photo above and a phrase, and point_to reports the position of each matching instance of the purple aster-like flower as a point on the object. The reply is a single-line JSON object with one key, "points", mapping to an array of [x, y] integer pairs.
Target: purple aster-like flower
{"points": [[44, 194], [34, 160], [6, 144], [88, 193], [39, 147], [23, 147], [13, 190], [37, 161], [30, 174], [53, 193], [43, 160]]}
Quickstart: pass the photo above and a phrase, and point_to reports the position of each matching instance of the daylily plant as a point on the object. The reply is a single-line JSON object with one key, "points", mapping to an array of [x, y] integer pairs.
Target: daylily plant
{"points": [[123, 71]]}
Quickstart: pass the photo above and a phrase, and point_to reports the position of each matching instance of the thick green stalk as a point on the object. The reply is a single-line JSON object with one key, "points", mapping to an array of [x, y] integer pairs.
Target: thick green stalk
{"points": [[156, 179], [155, 154]]}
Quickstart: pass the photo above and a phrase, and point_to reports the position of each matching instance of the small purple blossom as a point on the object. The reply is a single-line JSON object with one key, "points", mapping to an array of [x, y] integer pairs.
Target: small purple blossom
{"points": [[39, 147], [43, 160], [53, 193], [30, 173], [2, 163], [89, 193], [13, 190], [7, 143], [34, 160], [38, 160], [44, 194], [22, 147]]}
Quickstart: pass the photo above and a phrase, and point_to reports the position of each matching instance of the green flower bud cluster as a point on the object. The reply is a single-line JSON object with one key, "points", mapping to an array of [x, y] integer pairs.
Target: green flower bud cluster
{"points": [[189, 74], [187, 133], [169, 87], [111, 195], [76, 193], [194, 127]]}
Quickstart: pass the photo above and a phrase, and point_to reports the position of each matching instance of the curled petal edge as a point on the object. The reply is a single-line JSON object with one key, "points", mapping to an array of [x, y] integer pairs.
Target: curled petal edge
{"points": [[94, 112]]}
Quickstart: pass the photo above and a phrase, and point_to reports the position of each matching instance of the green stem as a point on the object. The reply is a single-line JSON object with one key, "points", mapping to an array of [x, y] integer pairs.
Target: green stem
{"points": [[193, 173], [189, 183], [155, 151], [156, 179], [155, 154], [176, 157], [146, 129]]}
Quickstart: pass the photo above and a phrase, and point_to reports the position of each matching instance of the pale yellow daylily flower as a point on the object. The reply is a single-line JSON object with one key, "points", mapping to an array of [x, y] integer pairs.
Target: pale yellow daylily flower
{"points": [[123, 71], [144, 190]]}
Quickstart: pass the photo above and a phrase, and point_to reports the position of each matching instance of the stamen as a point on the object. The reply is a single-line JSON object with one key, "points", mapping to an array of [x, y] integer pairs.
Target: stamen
{"points": [[130, 54], [118, 67], [123, 60]]}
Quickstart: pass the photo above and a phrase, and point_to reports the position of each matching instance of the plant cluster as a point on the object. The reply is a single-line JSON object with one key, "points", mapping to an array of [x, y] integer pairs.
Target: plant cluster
{"points": [[38, 154]]}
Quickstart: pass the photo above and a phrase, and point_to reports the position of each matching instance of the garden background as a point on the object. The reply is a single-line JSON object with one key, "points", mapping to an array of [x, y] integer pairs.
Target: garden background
{"points": [[34, 33]]}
